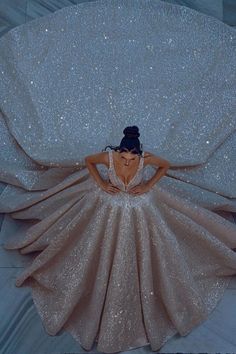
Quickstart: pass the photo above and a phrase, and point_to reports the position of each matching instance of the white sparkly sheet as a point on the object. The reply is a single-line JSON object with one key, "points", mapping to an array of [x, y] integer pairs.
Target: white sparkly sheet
{"points": [[72, 80]]}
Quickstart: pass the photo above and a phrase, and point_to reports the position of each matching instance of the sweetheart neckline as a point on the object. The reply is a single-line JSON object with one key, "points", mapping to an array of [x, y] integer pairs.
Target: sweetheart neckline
{"points": [[138, 168]]}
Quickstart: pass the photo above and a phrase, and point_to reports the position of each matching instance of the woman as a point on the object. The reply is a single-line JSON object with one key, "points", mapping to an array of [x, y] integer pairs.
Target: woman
{"points": [[122, 261], [127, 158]]}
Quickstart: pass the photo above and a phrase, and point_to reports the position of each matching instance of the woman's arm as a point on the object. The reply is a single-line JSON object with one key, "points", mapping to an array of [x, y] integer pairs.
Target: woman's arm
{"points": [[162, 164], [91, 161], [100, 158]]}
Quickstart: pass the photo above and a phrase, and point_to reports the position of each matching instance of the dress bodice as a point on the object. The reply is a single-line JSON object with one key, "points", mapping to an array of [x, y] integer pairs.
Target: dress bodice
{"points": [[115, 180]]}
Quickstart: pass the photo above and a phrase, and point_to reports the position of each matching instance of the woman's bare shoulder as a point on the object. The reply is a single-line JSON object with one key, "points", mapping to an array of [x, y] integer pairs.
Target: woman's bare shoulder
{"points": [[151, 159], [99, 158]]}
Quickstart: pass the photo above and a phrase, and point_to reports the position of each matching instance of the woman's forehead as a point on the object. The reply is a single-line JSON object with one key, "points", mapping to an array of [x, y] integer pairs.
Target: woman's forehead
{"points": [[128, 154]]}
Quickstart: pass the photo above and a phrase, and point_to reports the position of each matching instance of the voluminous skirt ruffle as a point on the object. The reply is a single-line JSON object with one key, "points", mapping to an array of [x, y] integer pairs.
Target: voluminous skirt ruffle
{"points": [[124, 270]]}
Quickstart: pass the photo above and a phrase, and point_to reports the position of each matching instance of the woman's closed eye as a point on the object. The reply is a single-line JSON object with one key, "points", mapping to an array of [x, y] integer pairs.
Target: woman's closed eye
{"points": [[126, 159]]}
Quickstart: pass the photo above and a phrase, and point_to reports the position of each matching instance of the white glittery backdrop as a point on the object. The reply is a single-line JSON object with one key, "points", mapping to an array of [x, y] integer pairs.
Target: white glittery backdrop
{"points": [[72, 80]]}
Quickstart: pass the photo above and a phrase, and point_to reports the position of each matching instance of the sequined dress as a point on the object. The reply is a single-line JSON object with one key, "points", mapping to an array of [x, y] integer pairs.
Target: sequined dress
{"points": [[121, 270]]}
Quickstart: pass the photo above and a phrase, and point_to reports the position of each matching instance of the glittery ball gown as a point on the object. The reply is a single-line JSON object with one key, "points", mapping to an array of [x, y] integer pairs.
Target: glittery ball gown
{"points": [[120, 270], [124, 270]]}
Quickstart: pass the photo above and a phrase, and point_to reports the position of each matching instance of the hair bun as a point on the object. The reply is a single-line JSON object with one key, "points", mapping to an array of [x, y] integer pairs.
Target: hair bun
{"points": [[131, 132]]}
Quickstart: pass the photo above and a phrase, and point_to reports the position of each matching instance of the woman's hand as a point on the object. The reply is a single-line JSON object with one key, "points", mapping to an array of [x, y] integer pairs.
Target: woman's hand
{"points": [[140, 189], [109, 187]]}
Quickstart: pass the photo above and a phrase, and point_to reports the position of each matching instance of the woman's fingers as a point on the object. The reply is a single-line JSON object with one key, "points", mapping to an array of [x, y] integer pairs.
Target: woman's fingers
{"points": [[135, 191], [113, 189], [116, 190]]}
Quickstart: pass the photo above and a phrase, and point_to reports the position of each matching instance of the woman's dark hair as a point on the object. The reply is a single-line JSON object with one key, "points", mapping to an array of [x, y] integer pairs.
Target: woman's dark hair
{"points": [[130, 142]]}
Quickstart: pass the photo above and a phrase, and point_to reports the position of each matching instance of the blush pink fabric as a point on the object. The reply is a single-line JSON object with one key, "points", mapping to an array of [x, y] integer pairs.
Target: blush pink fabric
{"points": [[121, 270]]}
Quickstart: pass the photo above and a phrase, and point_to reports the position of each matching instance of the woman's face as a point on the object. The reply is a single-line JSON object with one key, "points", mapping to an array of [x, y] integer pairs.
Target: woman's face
{"points": [[128, 157]]}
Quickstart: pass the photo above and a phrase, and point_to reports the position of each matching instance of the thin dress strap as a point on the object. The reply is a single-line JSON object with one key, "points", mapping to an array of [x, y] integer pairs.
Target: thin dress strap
{"points": [[110, 160], [142, 161]]}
